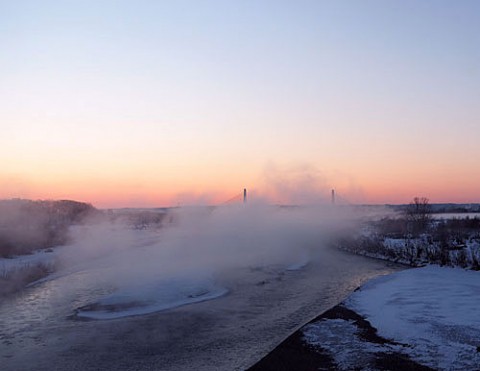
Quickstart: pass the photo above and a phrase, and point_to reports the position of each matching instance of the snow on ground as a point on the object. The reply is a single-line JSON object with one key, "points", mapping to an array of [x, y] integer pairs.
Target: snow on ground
{"points": [[431, 313], [45, 257], [341, 339]]}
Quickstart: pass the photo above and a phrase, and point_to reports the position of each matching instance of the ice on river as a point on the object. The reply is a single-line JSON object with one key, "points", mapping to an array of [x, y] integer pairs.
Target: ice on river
{"points": [[150, 298]]}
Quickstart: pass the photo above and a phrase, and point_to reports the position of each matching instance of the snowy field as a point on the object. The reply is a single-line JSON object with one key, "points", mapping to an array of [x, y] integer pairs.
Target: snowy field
{"points": [[430, 315]]}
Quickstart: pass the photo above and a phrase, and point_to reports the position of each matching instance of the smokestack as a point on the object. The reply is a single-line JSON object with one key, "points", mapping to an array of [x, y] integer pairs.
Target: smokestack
{"points": [[333, 197], [244, 195]]}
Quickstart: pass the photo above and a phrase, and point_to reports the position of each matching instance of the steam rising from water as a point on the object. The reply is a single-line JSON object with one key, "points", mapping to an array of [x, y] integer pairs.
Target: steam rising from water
{"points": [[185, 261]]}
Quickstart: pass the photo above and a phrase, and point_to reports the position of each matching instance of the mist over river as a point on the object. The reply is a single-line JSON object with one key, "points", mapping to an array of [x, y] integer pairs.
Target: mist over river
{"points": [[213, 290], [228, 333]]}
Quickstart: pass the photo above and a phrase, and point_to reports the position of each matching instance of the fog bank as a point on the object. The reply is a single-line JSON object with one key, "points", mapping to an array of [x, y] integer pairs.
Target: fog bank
{"points": [[199, 244]]}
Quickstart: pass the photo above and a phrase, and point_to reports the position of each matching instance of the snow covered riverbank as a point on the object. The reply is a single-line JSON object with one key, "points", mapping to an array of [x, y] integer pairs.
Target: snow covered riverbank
{"points": [[19, 271], [422, 319], [429, 314], [45, 257]]}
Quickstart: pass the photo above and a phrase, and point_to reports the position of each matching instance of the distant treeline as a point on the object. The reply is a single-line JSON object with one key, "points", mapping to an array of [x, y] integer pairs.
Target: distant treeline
{"points": [[139, 218], [27, 225], [449, 242], [443, 208]]}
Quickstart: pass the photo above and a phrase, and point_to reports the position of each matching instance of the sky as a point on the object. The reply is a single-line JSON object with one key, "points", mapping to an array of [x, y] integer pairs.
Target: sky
{"points": [[166, 103]]}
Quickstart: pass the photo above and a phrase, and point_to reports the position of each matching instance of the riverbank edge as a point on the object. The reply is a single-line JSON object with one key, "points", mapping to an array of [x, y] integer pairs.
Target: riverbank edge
{"points": [[17, 280], [294, 353]]}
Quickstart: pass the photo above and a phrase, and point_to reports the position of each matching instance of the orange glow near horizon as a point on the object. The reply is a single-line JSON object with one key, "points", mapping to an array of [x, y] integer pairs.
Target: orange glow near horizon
{"points": [[150, 191], [151, 105], [144, 174]]}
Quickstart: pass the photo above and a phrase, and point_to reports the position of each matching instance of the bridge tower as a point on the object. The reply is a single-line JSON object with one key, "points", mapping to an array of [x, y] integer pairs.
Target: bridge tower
{"points": [[333, 197], [244, 195]]}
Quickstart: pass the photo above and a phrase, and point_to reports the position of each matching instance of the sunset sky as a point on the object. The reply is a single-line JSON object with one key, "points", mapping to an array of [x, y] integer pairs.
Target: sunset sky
{"points": [[165, 103]]}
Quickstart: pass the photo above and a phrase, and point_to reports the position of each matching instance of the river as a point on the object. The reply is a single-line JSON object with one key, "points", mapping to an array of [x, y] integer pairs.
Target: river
{"points": [[232, 332]]}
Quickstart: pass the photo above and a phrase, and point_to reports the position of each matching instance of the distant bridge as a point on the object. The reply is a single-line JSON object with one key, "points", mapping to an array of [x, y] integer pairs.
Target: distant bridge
{"points": [[238, 198], [336, 199]]}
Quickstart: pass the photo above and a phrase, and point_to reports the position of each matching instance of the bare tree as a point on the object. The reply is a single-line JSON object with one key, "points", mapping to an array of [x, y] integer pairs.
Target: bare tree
{"points": [[418, 214]]}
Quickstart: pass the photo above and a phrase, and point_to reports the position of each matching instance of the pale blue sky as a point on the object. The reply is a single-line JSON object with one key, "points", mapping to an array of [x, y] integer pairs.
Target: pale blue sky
{"points": [[353, 87]]}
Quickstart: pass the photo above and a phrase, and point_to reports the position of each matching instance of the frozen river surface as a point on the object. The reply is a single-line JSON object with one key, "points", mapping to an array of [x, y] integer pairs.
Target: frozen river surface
{"points": [[230, 332]]}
